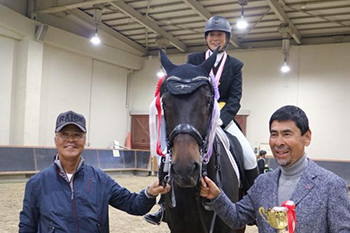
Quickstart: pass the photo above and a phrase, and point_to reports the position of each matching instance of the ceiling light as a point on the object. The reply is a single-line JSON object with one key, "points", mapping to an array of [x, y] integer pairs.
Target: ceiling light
{"points": [[284, 30], [97, 19], [242, 23], [160, 73], [95, 40], [285, 68]]}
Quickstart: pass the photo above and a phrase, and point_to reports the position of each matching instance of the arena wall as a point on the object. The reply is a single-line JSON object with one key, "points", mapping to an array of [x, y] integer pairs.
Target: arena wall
{"points": [[23, 162]]}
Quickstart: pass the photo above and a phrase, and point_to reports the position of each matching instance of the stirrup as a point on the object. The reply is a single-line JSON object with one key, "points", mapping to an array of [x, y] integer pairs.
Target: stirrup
{"points": [[155, 218], [206, 207]]}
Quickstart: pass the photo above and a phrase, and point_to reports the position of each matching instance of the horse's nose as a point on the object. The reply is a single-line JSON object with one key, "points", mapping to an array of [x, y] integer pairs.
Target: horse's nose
{"points": [[188, 169], [185, 161], [185, 175]]}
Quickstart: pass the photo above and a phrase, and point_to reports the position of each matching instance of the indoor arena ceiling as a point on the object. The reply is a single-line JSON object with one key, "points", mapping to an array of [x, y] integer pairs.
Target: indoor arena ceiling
{"points": [[178, 25]]}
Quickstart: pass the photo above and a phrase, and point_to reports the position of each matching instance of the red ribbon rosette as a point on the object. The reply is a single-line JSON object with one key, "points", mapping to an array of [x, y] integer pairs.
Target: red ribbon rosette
{"points": [[291, 215]]}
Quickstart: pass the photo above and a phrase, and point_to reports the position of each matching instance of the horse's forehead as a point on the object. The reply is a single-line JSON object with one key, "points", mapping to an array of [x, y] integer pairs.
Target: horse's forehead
{"points": [[182, 80], [187, 71]]}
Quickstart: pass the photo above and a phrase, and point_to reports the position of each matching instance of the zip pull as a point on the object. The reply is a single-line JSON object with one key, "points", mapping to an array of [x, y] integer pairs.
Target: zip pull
{"points": [[71, 185]]}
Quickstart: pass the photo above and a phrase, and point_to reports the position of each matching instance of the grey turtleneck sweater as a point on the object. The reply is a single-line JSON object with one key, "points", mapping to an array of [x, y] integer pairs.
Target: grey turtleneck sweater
{"points": [[289, 178]]}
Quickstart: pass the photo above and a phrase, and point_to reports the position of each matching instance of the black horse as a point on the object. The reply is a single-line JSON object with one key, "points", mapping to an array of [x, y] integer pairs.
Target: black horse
{"points": [[189, 106]]}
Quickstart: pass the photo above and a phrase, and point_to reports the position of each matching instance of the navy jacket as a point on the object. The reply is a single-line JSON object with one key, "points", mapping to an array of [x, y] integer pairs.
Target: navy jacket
{"points": [[321, 202], [49, 205], [230, 87]]}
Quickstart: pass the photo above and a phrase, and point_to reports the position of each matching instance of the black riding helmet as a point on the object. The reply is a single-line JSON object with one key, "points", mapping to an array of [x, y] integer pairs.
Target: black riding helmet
{"points": [[218, 23]]}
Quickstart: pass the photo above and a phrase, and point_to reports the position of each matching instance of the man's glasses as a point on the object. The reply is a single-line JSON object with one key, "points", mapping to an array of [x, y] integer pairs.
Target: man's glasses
{"points": [[74, 136]]}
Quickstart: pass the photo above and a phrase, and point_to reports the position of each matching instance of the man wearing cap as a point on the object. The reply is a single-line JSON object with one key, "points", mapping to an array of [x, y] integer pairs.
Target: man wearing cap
{"points": [[71, 196]]}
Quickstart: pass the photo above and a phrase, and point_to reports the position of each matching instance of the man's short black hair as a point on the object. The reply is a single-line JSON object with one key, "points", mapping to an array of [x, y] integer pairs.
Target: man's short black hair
{"points": [[291, 113]]}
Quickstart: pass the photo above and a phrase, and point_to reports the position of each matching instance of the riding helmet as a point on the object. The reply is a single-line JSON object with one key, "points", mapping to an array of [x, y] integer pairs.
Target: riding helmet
{"points": [[218, 23]]}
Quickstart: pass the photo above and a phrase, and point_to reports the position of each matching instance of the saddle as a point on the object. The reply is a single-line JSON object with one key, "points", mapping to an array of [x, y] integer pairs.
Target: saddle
{"points": [[247, 177]]}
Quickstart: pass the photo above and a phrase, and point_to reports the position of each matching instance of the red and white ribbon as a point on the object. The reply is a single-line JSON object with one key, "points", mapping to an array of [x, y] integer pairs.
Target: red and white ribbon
{"points": [[291, 215], [221, 67], [158, 106]]}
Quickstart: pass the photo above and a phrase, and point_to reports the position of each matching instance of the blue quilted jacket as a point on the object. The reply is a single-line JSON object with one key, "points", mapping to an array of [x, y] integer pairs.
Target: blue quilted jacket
{"points": [[52, 204]]}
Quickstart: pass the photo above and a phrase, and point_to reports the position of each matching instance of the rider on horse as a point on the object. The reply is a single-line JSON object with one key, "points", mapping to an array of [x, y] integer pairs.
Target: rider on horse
{"points": [[227, 71]]}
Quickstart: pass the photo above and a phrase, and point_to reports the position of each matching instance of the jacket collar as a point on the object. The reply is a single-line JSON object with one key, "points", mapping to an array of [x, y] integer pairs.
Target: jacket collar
{"points": [[304, 186], [62, 172], [227, 64], [306, 182]]}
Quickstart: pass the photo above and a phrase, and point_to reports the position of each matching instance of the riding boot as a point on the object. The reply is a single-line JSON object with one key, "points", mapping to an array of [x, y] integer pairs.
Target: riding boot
{"points": [[158, 216]]}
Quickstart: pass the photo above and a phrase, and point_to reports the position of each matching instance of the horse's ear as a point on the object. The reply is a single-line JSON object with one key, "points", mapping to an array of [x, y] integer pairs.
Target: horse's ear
{"points": [[166, 63], [208, 64]]}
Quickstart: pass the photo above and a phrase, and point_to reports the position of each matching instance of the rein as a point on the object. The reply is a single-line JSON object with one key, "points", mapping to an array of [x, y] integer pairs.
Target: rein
{"points": [[219, 182]]}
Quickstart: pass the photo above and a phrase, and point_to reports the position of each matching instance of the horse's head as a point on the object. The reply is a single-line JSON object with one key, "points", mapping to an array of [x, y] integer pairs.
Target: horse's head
{"points": [[187, 96]]}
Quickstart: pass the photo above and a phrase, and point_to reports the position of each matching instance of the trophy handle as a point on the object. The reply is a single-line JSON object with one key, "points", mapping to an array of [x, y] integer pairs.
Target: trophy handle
{"points": [[263, 213]]}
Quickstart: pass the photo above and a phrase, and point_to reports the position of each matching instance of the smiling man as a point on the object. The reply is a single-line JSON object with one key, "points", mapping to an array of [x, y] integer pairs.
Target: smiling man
{"points": [[71, 196], [320, 197]]}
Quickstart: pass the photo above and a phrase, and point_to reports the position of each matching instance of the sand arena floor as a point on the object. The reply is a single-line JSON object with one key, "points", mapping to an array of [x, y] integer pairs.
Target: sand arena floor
{"points": [[11, 197]]}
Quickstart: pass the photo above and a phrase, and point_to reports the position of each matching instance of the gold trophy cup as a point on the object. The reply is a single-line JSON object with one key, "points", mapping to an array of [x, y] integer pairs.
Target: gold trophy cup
{"points": [[277, 217]]}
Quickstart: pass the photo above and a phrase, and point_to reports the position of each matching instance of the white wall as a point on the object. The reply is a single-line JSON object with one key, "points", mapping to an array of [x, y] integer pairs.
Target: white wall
{"points": [[324, 93], [95, 89], [318, 83], [40, 80], [109, 114], [7, 59]]}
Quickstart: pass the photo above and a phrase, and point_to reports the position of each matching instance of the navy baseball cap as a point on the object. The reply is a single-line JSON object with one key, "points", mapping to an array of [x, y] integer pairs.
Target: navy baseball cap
{"points": [[70, 118]]}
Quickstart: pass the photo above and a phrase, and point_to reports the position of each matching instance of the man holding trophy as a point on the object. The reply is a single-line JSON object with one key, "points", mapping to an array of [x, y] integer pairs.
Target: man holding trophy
{"points": [[298, 191]]}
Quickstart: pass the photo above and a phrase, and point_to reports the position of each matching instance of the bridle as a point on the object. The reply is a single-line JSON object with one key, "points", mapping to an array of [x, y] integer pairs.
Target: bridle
{"points": [[189, 128], [202, 141]]}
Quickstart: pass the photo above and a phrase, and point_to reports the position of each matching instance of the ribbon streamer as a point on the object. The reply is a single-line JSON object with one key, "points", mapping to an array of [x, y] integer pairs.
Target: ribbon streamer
{"points": [[159, 109], [291, 215], [221, 67]]}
